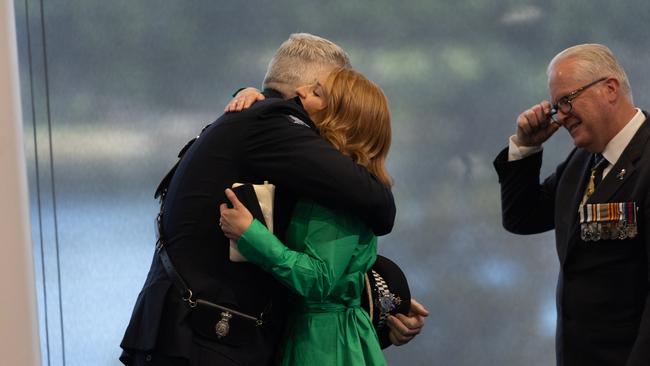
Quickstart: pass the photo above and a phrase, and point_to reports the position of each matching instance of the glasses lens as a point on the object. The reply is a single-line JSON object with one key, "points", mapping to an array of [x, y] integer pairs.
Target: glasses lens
{"points": [[553, 114], [564, 106]]}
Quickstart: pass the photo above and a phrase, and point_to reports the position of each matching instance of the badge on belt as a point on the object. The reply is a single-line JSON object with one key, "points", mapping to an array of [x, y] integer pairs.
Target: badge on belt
{"points": [[223, 327], [608, 221]]}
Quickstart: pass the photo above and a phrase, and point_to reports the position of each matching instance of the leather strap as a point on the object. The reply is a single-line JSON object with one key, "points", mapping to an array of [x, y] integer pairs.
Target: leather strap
{"points": [[185, 291], [161, 192]]}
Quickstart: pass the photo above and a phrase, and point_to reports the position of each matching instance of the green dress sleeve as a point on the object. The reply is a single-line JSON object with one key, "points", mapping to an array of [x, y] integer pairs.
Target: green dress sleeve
{"points": [[312, 273]]}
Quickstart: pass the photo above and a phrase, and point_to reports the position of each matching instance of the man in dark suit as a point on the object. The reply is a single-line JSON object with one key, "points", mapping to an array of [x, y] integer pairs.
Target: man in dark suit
{"points": [[597, 201], [275, 141]]}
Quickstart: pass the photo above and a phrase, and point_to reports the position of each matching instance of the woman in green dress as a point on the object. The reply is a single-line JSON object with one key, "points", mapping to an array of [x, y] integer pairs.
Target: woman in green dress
{"points": [[327, 251]]}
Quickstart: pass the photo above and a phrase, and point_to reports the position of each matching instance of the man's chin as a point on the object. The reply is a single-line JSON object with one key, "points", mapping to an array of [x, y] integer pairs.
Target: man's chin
{"points": [[585, 145], [579, 138], [579, 142]]}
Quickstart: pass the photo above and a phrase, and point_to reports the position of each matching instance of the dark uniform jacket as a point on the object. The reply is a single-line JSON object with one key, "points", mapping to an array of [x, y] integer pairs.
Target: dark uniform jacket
{"points": [[603, 287], [273, 141]]}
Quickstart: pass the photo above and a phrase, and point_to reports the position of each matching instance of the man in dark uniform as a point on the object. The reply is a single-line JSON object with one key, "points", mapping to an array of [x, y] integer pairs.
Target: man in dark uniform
{"points": [[273, 141], [597, 201]]}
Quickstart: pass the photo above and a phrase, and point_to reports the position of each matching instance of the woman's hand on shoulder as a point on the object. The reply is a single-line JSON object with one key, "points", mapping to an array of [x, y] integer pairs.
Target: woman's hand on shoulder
{"points": [[244, 99]]}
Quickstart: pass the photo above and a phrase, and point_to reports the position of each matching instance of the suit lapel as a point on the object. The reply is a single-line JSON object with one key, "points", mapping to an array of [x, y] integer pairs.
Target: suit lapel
{"points": [[605, 190], [624, 167], [619, 174], [570, 191]]}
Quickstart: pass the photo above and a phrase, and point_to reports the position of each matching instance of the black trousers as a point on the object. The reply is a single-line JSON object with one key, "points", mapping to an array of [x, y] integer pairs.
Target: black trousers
{"points": [[151, 359], [200, 357]]}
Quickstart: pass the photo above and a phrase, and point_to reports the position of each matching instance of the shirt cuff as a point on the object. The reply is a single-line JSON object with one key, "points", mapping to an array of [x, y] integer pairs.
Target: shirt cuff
{"points": [[519, 152], [259, 246]]}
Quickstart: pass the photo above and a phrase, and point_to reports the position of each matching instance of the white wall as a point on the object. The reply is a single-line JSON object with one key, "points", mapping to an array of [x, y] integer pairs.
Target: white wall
{"points": [[18, 327]]}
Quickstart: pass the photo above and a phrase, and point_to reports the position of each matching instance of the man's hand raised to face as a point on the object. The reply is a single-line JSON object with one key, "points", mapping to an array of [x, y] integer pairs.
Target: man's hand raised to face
{"points": [[535, 126]]}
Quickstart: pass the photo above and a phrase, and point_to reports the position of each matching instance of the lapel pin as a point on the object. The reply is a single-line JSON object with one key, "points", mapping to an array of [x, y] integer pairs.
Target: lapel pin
{"points": [[621, 174]]}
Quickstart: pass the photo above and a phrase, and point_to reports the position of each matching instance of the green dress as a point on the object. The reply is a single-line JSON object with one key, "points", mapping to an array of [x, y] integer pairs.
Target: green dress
{"points": [[324, 263]]}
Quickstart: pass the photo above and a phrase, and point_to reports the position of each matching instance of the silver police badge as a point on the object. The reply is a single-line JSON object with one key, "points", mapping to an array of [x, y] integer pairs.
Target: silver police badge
{"points": [[223, 327]]}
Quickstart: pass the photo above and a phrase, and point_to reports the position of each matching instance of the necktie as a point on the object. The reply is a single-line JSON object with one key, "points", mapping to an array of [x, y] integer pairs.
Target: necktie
{"points": [[598, 166]]}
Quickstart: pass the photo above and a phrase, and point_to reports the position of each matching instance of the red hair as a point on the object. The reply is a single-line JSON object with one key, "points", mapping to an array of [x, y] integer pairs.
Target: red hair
{"points": [[356, 120]]}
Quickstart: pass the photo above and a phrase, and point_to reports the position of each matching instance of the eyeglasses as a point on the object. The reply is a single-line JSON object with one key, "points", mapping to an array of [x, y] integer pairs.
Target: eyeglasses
{"points": [[564, 104]]}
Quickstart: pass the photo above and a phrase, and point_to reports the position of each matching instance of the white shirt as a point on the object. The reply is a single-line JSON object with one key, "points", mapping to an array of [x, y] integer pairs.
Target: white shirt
{"points": [[612, 151]]}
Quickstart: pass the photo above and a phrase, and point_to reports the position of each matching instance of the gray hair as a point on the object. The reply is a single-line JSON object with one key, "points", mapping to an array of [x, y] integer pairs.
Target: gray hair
{"points": [[593, 61], [300, 60]]}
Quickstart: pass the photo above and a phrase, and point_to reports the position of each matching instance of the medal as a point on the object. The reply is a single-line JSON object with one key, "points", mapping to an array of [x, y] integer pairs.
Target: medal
{"points": [[595, 231], [608, 221], [584, 232], [632, 230], [223, 327], [606, 230], [614, 233]]}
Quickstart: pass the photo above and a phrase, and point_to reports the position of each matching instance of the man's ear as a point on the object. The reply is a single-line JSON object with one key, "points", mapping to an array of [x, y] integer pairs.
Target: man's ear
{"points": [[613, 89]]}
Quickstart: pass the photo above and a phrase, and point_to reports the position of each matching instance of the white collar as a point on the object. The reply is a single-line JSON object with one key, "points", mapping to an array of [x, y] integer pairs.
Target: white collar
{"points": [[616, 145]]}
